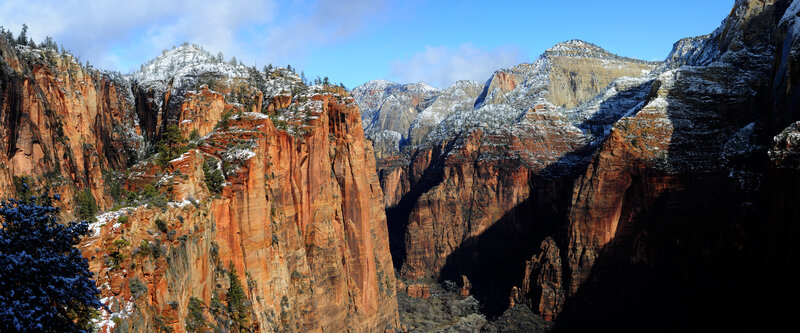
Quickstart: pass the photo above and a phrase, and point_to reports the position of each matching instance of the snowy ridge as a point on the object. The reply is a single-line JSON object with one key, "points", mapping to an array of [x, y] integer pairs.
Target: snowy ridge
{"points": [[503, 102], [622, 98], [694, 51], [580, 48], [187, 60], [455, 98]]}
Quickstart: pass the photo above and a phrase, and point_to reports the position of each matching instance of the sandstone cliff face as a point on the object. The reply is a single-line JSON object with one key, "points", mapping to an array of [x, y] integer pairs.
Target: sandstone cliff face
{"points": [[63, 124], [299, 216], [566, 75], [308, 235]]}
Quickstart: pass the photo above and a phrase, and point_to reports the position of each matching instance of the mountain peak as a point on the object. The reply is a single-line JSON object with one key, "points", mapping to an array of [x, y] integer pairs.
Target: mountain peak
{"points": [[375, 85], [577, 47], [581, 48], [183, 60]]}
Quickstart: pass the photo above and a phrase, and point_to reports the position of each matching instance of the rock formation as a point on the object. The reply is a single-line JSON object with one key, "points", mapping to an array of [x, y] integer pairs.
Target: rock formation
{"points": [[287, 198]]}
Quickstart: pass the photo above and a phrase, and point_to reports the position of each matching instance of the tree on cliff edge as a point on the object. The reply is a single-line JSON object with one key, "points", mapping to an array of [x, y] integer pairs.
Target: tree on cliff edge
{"points": [[45, 283]]}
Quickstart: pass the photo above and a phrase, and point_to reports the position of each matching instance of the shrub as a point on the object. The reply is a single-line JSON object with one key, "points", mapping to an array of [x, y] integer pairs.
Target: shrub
{"points": [[144, 249], [123, 219], [213, 176], [224, 121], [161, 225], [116, 259], [156, 250], [150, 195], [195, 320], [138, 288], [121, 243], [45, 283]]}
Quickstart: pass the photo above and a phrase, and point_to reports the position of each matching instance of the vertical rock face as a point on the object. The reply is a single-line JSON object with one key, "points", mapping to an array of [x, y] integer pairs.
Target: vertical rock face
{"points": [[288, 198], [62, 123]]}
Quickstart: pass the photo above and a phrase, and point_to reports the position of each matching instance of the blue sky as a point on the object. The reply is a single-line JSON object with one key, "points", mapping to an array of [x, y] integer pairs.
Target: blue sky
{"points": [[353, 41]]}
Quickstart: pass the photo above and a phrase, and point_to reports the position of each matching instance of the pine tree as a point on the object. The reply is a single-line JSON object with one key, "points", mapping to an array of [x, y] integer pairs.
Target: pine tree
{"points": [[325, 81], [22, 39], [85, 206], [303, 77], [45, 283], [170, 145], [48, 43], [7, 34], [220, 57], [237, 306], [233, 61]]}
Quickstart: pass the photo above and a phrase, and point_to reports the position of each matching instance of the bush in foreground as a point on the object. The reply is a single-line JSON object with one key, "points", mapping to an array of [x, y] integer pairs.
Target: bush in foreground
{"points": [[45, 283]]}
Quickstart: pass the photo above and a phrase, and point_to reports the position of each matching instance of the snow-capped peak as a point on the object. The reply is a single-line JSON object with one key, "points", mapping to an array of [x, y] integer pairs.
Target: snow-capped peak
{"points": [[375, 85], [184, 60]]}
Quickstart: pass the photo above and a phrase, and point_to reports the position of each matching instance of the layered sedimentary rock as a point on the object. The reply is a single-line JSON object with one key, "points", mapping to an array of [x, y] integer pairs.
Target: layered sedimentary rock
{"points": [[288, 198]]}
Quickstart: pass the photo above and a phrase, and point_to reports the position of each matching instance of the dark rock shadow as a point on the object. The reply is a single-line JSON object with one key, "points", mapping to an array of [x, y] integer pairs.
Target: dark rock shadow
{"points": [[397, 216], [707, 255]]}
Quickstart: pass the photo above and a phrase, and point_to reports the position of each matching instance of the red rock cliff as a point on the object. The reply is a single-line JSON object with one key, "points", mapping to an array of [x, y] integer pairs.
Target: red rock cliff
{"points": [[299, 215]]}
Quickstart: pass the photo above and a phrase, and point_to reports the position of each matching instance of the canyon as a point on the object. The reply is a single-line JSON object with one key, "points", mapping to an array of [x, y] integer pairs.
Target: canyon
{"points": [[604, 192], [582, 191]]}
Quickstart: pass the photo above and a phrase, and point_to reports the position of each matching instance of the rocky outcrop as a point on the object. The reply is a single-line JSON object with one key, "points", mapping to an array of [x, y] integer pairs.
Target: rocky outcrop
{"points": [[543, 278]]}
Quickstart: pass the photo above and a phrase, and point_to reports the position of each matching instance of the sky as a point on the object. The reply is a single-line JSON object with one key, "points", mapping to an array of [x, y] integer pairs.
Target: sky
{"points": [[354, 41]]}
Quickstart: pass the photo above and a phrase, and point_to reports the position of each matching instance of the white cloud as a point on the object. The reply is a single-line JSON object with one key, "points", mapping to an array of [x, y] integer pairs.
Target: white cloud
{"points": [[441, 66], [325, 22], [123, 34]]}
